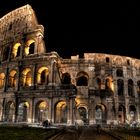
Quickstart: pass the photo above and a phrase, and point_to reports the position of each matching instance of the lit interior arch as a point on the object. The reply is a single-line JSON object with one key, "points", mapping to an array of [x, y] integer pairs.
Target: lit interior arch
{"points": [[12, 78], [23, 111], [61, 112], [43, 105], [27, 77], [29, 49], [41, 111], [61, 104], [24, 104], [16, 50], [2, 77], [77, 101], [42, 75], [109, 83]]}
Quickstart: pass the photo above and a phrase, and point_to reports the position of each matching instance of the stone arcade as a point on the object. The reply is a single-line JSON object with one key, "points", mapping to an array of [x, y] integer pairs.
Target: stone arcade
{"points": [[37, 86]]}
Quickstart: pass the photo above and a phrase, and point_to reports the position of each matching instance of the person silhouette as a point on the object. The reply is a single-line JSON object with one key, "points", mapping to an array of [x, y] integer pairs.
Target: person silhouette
{"points": [[98, 129]]}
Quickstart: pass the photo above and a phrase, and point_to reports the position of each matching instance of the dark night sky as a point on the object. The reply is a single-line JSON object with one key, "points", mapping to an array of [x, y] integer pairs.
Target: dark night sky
{"points": [[75, 27]]}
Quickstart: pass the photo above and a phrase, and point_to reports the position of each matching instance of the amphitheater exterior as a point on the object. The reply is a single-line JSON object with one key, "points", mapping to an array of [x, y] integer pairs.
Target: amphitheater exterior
{"points": [[37, 86]]}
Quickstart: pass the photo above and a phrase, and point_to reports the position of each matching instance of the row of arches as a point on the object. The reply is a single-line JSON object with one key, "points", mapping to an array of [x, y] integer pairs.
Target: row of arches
{"points": [[125, 118], [82, 79], [26, 77], [130, 83], [16, 49], [61, 112], [42, 112], [42, 78]]}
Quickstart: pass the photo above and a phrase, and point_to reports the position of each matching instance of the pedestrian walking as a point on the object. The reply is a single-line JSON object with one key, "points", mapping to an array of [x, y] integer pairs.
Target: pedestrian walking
{"points": [[98, 129]]}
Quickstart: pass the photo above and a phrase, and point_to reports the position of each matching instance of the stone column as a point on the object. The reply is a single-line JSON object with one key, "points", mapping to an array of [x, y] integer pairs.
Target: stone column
{"points": [[70, 118], [19, 76], [6, 79], [33, 110], [30, 112], [109, 113], [71, 111], [138, 112], [68, 112], [34, 76], [126, 98], [22, 54], [52, 73], [127, 107], [3, 109], [125, 87], [51, 110], [91, 112], [135, 89], [16, 107]]}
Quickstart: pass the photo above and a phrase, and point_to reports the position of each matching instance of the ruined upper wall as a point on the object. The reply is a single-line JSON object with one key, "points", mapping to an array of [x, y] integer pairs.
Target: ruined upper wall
{"points": [[116, 60], [17, 23], [102, 58]]}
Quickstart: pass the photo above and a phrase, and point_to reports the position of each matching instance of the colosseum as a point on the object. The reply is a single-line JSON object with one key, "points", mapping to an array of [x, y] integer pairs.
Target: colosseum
{"points": [[36, 85]]}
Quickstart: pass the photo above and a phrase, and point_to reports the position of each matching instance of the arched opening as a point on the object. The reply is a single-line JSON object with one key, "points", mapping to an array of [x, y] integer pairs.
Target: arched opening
{"points": [[41, 111], [83, 114], [42, 75], [6, 53], [120, 85], [30, 46], [16, 50], [66, 79], [99, 84], [138, 87], [119, 72], [82, 79], [100, 114], [132, 113], [109, 84], [130, 88], [128, 62], [107, 59], [121, 114], [9, 112], [23, 110], [2, 79], [12, 79], [26, 77], [61, 112]]}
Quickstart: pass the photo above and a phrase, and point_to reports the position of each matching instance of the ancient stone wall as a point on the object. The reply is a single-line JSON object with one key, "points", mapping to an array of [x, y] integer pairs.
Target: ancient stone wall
{"points": [[17, 23]]}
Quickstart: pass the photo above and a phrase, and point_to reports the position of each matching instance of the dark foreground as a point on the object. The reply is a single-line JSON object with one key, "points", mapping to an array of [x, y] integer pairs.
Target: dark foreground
{"points": [[66, 133], [26, 133]]}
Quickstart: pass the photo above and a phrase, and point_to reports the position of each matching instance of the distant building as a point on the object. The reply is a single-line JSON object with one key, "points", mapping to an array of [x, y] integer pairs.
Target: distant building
{"points": [[37, 86]]}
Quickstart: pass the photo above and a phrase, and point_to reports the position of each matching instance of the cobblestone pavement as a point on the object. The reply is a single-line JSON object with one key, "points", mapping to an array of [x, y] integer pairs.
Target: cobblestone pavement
{"points": [[85, 134]]}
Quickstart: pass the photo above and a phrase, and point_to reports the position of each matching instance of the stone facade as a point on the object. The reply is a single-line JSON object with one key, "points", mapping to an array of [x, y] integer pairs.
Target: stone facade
{"points": [[37, 86]]}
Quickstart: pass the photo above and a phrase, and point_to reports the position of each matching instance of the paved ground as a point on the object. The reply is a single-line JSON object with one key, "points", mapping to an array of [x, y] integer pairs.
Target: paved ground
{"points": [[84, 134]]}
